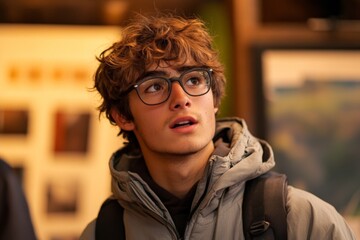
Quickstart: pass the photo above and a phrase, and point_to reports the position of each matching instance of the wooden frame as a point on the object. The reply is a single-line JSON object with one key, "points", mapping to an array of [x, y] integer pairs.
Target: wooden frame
{"points": [[308, 105]]}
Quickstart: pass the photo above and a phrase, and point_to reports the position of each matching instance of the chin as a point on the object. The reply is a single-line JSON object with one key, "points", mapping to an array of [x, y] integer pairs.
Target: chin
{"points": [[190, 148]]}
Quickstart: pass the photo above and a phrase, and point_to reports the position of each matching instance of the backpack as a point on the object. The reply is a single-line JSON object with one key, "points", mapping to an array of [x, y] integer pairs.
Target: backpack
{"points": [[264, 211]]}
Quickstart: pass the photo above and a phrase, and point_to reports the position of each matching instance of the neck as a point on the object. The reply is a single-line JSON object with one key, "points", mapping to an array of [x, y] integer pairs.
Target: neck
{"points": [[178, 173]]}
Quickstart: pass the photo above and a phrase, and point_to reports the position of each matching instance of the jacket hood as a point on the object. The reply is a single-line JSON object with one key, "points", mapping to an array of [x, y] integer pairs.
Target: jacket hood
{"points": [[247, 158]]}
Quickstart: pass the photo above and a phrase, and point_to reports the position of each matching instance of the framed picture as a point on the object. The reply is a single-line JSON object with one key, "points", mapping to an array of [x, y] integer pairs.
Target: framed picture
{"points": [[71, 132], [308, 99], [62, 196], [14, 121]]}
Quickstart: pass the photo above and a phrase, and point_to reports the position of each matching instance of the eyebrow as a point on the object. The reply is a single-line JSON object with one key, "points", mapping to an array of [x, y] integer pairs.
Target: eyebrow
{"points": [[163, 73], [153, 73]]}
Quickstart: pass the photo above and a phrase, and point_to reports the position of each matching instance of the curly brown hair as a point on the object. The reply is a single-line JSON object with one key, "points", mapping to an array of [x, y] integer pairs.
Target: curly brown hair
{"points": [[149, 40]]}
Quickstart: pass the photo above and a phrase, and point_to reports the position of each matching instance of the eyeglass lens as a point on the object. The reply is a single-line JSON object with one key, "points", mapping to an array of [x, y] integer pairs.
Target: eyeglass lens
{"points": [[157, 89]]}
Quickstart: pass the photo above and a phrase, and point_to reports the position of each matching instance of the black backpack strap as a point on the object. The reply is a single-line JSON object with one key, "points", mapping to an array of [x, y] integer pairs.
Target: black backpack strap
{"points": [[110, 223], [264, 207]]}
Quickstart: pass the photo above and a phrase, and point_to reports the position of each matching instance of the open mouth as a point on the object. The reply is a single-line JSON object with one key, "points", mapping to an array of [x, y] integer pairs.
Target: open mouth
{"points": [[182, 123]]}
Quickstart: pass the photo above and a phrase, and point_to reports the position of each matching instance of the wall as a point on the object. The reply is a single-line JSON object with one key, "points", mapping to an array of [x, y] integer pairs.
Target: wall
{"points": [[46, 71]]}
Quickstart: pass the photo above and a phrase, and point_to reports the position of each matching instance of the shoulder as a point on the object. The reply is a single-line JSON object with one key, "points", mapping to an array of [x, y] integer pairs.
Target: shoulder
{"points": [[299, 199], [310, 216], [89, 231]]}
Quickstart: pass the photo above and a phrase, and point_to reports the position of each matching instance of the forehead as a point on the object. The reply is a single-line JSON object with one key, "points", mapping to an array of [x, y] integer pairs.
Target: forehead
{"points": [[176, 65]]}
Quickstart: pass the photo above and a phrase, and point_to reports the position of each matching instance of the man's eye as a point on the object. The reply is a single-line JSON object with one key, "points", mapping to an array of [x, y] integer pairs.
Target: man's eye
{"points": [[194, 81], [154, 88]]}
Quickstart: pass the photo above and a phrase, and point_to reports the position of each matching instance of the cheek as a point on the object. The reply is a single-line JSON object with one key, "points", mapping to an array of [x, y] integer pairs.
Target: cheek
{"points": [[209, 110], [209, 103], [144, 117]]}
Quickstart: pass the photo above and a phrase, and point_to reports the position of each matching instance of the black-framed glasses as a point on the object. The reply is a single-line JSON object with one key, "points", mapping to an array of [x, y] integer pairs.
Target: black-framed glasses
{"points": [[156, 90]]}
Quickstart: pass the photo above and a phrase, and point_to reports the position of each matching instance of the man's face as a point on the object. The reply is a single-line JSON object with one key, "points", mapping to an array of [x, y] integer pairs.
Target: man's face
{"points": [[182, 125]]}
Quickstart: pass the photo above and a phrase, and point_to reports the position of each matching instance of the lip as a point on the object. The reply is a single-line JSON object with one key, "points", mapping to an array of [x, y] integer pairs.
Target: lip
{"points": [[183, 124]]}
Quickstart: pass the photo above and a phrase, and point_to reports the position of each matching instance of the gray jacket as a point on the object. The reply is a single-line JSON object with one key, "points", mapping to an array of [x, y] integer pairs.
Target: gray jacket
{"points": [[218, 214]]}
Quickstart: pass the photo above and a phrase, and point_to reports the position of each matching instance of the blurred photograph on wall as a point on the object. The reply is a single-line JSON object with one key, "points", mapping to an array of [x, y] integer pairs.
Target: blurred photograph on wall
{"points": [[312, 108], [62, 196], [71, 132], [13, 121]]}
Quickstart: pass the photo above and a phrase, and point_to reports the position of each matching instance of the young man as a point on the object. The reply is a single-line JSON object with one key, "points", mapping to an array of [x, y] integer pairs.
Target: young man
{"points": [[182, 174]]}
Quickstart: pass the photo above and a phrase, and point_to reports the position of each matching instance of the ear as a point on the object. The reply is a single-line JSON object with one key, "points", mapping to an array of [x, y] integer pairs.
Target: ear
{"points": [[121, 121], [216, 110]]}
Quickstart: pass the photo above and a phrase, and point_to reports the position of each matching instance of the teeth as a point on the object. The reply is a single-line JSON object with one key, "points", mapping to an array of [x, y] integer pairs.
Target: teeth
{"points": [[179, 124]]}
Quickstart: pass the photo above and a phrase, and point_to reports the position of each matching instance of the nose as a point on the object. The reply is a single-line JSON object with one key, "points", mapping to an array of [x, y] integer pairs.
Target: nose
{"points": [[179, 99]]}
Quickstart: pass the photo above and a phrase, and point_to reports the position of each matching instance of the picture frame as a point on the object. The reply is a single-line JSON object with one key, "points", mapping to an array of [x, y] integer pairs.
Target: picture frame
{"points": [[308, 108], [71, 131], [14, 121], [62, 196]]}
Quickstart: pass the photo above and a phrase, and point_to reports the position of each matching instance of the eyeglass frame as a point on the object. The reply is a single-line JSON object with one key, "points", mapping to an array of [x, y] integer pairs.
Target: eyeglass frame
{"points": [[170, 81]]}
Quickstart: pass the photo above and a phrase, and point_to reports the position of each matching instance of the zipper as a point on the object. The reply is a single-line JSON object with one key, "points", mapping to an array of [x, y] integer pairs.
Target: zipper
{"points": [[169, 225]]}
